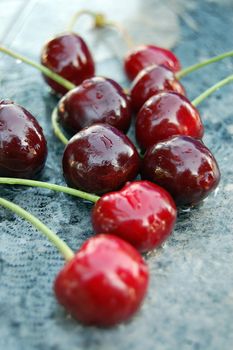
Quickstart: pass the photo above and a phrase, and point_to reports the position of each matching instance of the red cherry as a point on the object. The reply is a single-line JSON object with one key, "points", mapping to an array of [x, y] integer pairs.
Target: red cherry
{"points": [[147, 55], [184, 166], [164, 115], [104, 284], [142, 213], [68, 56], [100, 159], [95, 100], [150, 81], [23, 147]]}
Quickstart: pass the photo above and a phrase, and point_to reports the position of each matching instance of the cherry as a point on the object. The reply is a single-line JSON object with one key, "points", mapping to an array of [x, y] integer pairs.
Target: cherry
{"points": [[150, 81], [141, 213], [104, 284], [100, 159], [96, 100], [184, 166], [23, 148], [147, 55], [164, 115], [68, 56]]}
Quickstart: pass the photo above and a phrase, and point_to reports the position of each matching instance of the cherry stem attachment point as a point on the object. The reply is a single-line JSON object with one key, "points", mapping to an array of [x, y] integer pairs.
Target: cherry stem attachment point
{"points": [[53, 187], [56, 128], [212, 89], [202, 64], [50, 74], [100, 21], [54, 239]]}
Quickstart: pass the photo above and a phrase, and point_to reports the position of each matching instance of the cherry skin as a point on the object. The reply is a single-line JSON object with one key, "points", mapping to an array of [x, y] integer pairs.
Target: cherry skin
{"points": [[67, 55], [95, 100], [184, 166], [151, 81], [100, 159], [104, 284], [165, 115], [141, 213], [147, 55], [23, 147]]}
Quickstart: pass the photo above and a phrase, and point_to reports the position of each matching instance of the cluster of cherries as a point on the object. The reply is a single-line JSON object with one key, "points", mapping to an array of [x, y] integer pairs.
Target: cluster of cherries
{"points": [[105, 282]]}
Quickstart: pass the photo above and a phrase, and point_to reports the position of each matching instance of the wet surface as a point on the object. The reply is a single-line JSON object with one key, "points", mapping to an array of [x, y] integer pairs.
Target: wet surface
{"points": [[190, 300]]}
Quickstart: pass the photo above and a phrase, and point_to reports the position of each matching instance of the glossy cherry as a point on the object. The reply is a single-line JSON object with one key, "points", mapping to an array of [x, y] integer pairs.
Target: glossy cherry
{"points": [[150, 81], [184, 166], [164, 115], [147, 55], [23, 148], [96, 100], [105, 283], [100, 159], [141, 213], [67, 55]]}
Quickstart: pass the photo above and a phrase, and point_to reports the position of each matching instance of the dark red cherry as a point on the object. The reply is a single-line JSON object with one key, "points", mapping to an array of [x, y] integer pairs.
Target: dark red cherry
{"points": [[150, 81], [68, 56], [23, 148], [164, 115], [147, 55], [95, 100], [104, 284], [100, 159], [184, 166], [142, 213]]}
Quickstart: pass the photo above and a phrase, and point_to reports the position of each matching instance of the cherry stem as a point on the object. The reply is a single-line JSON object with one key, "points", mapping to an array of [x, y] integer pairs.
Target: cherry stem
{"points": [[56, 128], [202, 64], [53, 187], [100, 21], [212, 89], [99, 18], [54, 239], [50, 74]]}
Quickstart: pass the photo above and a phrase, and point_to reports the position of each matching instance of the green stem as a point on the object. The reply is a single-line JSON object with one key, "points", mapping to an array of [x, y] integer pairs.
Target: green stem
{"points": [[56, 241], [84, 195], [212, 89], [56, 128], [78, 14], [50, 74], [199, 65], [100, 21]]}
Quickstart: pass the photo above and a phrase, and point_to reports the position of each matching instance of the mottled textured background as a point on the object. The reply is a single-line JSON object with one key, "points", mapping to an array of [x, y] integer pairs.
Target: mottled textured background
{"points": [[190, 300]]}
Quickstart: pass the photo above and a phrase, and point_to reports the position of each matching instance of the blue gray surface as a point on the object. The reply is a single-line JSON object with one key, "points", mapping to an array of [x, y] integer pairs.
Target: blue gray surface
{"points": [[190, 299]]}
